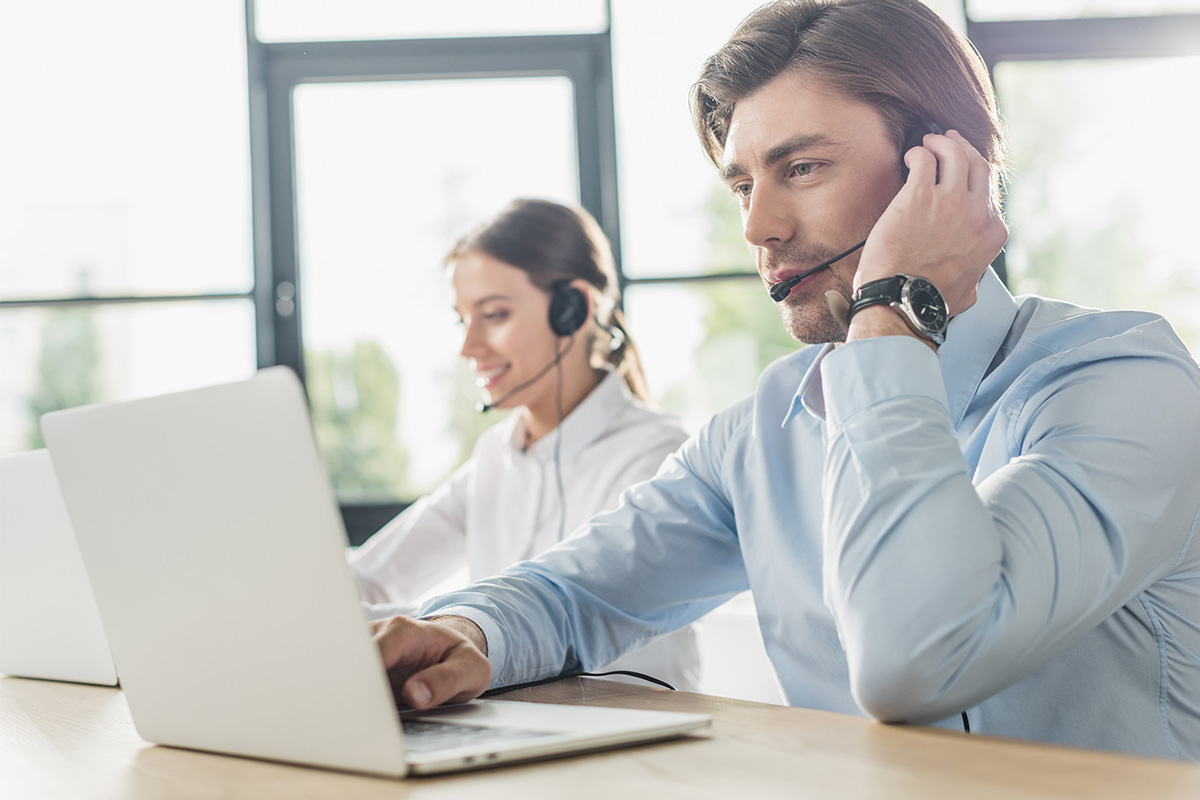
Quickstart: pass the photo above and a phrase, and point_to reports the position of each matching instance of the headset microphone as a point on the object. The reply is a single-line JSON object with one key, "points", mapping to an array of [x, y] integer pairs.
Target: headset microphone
{"points": [[483, 408], [781, 290]]}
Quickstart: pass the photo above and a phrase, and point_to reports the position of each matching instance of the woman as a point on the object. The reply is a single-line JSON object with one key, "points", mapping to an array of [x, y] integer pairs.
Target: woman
{"points": [[536, 292]]}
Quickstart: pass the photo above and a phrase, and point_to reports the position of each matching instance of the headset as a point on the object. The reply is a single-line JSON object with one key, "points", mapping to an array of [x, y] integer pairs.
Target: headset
{"points": [[568, 308], [568, 313]]}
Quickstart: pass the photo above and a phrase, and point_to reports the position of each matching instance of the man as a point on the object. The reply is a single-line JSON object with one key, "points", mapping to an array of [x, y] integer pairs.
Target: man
{"points": [[995, 519]]}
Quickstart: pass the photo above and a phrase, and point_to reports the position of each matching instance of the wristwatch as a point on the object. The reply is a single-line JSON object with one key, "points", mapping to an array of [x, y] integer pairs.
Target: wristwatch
{"points": [[916, 300]]}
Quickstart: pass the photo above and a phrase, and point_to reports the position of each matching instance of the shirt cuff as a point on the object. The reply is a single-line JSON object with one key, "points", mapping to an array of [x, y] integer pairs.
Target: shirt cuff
{"points": [[496, 650], [864, 373]]}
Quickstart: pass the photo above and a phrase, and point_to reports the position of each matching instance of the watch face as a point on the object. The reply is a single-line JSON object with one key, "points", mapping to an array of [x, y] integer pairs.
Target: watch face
{"points": [[927, 304]]}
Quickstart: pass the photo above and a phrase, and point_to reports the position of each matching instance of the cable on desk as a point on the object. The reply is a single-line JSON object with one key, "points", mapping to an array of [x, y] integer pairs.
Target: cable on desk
{"points": [[526, 685], [966, 722]]}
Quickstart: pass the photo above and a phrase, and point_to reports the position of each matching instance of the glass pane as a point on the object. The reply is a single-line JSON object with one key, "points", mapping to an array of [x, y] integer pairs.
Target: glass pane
{"points": [[980, 10], [381, 199], [671, 200], [317, 20], [1102, 205], [704, 344], [124, 154], [64, 356]]}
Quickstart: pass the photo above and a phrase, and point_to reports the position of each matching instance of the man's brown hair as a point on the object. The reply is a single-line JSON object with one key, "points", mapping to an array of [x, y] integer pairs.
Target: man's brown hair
{"points": [[895, 55]]}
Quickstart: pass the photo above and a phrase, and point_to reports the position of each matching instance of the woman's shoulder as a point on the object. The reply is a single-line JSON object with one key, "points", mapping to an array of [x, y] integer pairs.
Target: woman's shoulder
{"points": [[641, 420]]}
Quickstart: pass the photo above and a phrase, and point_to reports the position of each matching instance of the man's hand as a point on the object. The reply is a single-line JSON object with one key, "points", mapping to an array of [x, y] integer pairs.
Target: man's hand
{"points": [[943, 224], [430, 662]]}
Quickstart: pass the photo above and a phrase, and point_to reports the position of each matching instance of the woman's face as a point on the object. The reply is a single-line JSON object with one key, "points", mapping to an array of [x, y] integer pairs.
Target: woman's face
{"points": [[506, 329]]}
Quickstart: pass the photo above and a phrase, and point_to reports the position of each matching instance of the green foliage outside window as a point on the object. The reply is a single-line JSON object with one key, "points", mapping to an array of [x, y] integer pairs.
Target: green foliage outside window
{"points": [[355, 400], [67, 368]]}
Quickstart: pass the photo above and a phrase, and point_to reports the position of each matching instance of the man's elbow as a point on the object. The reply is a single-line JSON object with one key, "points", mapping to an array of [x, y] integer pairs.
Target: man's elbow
{"points": [[898, 687]]}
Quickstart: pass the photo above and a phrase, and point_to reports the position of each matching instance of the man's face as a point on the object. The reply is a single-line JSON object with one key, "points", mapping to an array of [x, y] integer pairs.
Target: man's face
{"points": [[812, 171]]}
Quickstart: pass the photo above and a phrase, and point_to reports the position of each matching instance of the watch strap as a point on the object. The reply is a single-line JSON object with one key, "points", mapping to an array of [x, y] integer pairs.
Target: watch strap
{"points": [[884, 291]]}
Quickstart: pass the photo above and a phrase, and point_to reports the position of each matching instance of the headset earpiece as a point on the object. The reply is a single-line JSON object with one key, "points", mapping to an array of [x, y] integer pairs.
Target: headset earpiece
{"points": [[914, 138], [568, 309]]}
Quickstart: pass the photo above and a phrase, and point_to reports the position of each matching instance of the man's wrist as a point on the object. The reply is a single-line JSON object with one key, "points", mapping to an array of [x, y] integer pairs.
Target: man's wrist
{"points": [[468, 628], [914, 300], [882, 320]]}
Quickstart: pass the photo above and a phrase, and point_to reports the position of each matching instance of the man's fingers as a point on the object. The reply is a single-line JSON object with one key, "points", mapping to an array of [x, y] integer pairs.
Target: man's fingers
{"points": [[400, 641], [463, 674], [975, 168], [922, 166], [430, 663], [960, 167]]}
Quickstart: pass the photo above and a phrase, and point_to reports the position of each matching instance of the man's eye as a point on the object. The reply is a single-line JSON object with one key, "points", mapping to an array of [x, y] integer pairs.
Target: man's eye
{"points": [[496, 316], [741, 189], [803, 169]]}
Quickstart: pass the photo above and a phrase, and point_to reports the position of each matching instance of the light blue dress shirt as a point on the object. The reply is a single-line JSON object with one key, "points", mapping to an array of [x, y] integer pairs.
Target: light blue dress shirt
{"points": [[1007, 527]]}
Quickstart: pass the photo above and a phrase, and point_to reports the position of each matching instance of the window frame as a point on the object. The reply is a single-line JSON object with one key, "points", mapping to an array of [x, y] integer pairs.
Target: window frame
{"points": [[275, 69], [1080, 39]]}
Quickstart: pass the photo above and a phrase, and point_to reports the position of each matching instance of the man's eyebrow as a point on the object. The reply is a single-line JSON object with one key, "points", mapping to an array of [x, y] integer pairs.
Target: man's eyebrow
{"points": [[781, 151]]}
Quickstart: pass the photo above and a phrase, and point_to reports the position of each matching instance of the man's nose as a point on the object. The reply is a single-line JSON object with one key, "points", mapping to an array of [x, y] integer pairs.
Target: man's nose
{"points": [[766, 222]]}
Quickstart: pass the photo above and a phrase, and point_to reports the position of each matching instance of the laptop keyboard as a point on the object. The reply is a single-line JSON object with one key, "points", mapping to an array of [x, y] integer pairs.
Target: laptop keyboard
{"points": [[425, 736]]}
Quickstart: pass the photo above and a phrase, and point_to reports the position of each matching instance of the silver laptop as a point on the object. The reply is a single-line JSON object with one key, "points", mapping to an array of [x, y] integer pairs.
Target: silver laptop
{"points": [[49, 625], [216, 552]]}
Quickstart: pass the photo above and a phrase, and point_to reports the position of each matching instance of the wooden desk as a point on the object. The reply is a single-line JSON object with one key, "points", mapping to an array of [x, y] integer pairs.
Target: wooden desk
{"points": [[61, 740]]}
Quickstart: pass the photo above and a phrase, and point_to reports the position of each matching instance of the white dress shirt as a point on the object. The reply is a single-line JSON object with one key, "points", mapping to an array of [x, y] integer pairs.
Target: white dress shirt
{"points": [[503, 506]]}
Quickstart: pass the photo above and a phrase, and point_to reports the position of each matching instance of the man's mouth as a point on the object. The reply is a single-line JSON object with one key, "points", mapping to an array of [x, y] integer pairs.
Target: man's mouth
{"points": [[781, 289]]}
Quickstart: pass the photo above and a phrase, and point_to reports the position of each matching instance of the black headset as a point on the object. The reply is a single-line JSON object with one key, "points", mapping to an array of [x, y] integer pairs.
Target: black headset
{"points": [[568, 309]]}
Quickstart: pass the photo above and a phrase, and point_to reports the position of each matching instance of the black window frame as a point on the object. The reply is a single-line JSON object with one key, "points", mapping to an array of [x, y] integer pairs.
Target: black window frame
{"points": [[275, 69]]}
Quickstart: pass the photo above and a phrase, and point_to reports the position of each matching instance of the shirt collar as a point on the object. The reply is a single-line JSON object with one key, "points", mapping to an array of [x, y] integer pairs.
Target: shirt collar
{"points": [[972, 340], [586, 423], [810, 396]]}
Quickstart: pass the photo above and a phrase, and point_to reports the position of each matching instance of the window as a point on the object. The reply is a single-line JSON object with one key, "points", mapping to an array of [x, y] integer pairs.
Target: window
{"points": [[316, 20], [981, 10], [125, 263], [381, 195], [1102, 203], [680, 229], [378, 155], [128, 264], [1099, 202]]}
